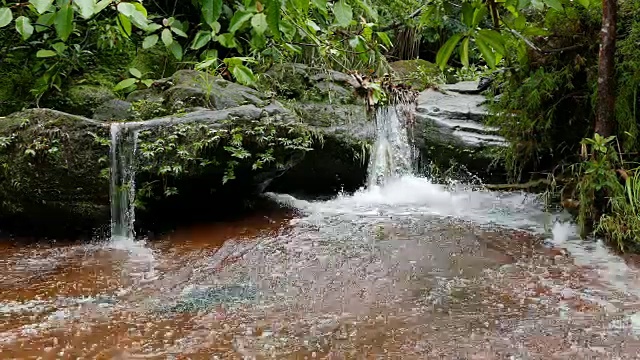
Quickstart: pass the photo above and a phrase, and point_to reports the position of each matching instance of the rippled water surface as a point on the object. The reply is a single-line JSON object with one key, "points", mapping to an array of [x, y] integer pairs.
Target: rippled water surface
{"points": [[403, 271]]}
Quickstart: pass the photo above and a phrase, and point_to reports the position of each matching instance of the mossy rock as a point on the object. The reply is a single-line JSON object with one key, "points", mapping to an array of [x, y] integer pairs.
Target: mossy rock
{"points": [[418, 73], [53, 178], [84, 99]]}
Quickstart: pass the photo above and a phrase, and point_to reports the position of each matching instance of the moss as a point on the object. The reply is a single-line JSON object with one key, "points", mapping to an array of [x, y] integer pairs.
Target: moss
{"points": [[50, 179], [417, 73]]}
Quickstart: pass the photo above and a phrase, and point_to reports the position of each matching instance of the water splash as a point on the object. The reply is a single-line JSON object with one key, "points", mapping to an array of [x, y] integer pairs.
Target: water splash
{"points": [[392, 155]]}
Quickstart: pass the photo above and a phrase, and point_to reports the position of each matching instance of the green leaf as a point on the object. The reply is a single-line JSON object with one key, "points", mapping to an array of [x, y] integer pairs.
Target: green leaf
{"points": [[125, 84], [554, 4], [101, 5], [243, 74], [259, 23], [152, 27], [211, 10], [178, 32], [479, 15], [147, 82], [59, 47], [202, 38], [45, 53], [522, 4], [167, 38], [384, 38], [125, 25], [467, 14], [86, 7], [150, 41], [238, 19], [227, 40], [64, 22], [464, 51], [585, 3], [135, 72], [302, 5], [446, 50], [141, 9], [45, 21], [321, 5], [41, 5], [5, 17], [24, 27], [493, 38], [272, 11], [371, 13], [487, 54], [126, 9], [343, 13], [176, 50]]}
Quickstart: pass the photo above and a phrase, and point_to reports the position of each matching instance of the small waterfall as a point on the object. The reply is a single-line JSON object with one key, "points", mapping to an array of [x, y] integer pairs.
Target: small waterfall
{"points": [[392, 155], [123, 189]]}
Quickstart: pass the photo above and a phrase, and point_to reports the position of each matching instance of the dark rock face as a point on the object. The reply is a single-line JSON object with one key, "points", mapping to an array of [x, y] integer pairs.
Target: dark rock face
{"points": [[449, 130]]}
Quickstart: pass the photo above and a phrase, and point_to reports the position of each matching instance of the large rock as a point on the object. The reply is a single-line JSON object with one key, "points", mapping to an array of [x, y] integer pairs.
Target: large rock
{"points": [[450, 130]]}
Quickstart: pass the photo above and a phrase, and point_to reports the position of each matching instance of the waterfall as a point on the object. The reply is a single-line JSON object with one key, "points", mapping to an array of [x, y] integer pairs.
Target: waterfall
{"points": [[392, 155], [122, 190]]}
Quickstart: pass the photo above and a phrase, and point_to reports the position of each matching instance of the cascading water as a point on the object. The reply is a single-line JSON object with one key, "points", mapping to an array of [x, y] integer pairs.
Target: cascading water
{"points": [[122, 189]]}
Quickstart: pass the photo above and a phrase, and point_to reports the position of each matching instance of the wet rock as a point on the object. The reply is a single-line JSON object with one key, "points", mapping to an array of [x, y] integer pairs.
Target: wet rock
{"points": [[115, 109], [449, 130]]}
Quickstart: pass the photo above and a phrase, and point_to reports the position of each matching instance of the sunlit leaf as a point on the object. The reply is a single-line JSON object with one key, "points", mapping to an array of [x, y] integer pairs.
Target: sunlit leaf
{"points": [[259, 23], [493, 38], [384, 38], [125, 24], [150, 41], [202, 38], [24, 27], [178, 32], [167, 38], [135, 72], [464, 51], [467, 14], [343, 13], [125, 84], [126, 8], [5, 17], [243, 75], [443, 55], [64, 22], [86, 7], [41, 5], [487, 54], [238, 19], [227, 40], [45, 53]]}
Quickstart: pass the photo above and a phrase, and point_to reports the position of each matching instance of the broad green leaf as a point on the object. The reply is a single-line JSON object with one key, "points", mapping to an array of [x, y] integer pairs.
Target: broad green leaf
{"points": [[152, 27], [148, 82], [313, 26], [302, 5], [227, 40], [487, 54], [371, 13], [86, 7], [125, 84], [60, 47], [443, 55], [464, 51], [384, 38], [125, 25], [139, 20], [202, 38], [272, 11], [493, 38], [176, 50], [178, 31], [135, 72], [343, 13], [41, 5], [167, 38], [321, 5], [126, 9], [150, 41], [259, 23], [64, 22], [211, 10], [141, 9], [5, 17], [101, 5], [45, 22], [585, 3], [24, 27], [205, 64], [467, 14], [554, 4], [479, 15], [288, 30], [243, 74], [238, 19], [522, 4], [45, 53]]}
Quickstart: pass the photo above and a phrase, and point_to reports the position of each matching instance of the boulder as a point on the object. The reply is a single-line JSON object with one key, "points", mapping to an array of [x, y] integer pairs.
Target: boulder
{"points": [[418, 73], [450, 130]]}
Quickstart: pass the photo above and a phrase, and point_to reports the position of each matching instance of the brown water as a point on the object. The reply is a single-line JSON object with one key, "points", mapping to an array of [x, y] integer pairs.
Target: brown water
{"points": [[369, 285]]}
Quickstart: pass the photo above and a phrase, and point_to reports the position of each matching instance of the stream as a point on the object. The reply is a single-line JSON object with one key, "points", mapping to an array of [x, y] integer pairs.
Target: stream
{"points": [[401, 269]]}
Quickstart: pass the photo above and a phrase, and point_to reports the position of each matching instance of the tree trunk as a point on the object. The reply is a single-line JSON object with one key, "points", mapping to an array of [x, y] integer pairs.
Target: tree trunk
{"points": [[605, 109]]}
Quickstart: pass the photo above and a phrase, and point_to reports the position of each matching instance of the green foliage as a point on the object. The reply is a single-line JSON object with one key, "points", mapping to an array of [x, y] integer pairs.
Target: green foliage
{"points": [[223, 150]]}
